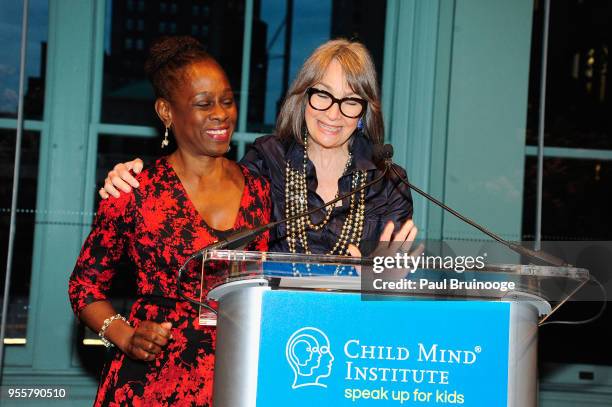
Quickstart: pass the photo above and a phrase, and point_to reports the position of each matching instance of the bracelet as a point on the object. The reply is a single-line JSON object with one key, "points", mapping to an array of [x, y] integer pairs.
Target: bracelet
{"points": [[105, 326]]}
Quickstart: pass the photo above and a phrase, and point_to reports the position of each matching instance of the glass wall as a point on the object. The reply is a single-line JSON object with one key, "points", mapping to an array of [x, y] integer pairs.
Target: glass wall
{"points": [[577, 166], [36, 55], [578, 123]]}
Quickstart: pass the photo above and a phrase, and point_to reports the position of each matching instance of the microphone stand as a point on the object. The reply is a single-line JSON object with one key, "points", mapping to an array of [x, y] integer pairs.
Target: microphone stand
{"points": [[537, 255]]}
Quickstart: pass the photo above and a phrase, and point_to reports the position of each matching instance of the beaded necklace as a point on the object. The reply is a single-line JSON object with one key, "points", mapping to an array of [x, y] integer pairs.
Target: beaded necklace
{"points": [[296, 202]]}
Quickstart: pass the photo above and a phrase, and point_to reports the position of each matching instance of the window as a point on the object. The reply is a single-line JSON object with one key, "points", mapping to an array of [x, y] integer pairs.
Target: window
{"points": [[577, 126], [10, 38], [577, 164], [127, 96], [26, 211], [275, 32], [279, 46]]}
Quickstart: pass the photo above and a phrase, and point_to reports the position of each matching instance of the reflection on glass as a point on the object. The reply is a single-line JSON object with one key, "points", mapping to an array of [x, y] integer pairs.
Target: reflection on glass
{"points": [[132, 26], [575, 203], [17, 315], [36, 55], [286, 32]]}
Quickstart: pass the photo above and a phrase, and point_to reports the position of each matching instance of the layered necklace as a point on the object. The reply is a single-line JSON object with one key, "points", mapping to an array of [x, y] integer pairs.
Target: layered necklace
{"points": [[296, 202]]}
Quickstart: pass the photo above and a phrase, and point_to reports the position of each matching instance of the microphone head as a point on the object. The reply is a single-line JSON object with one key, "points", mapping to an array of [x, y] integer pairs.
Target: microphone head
{"points": [[387, 151], [377, 153], [382, 152]]}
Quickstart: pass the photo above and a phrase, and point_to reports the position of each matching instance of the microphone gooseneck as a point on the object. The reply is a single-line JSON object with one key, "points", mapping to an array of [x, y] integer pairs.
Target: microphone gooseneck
{"points": [[387, 149]]}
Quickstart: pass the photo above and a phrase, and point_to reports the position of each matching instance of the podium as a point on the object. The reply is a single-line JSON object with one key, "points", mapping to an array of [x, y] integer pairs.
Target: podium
{"points": [[314, 330]]}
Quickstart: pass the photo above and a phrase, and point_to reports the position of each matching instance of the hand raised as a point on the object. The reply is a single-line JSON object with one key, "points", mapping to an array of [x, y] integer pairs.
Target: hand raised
{"points": [[121, 179]]}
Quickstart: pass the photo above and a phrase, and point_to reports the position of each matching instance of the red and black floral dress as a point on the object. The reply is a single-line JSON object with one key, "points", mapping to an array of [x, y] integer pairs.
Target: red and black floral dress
{"points": [[158, 228]]}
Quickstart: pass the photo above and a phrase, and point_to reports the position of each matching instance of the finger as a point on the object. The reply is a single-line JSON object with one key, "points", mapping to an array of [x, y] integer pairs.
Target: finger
{"points": [[418, 251], [168, 326], [136, 352], [413, 234], [138, 165], [404, 231], [385, 236], [147, 345], [353, 250], [119, 183], [110, 188], [154, 332], [125, 176], [103, 194]]}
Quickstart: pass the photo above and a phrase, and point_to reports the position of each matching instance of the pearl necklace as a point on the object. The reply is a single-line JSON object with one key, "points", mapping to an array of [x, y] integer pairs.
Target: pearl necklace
{"points": [[296, 202]]}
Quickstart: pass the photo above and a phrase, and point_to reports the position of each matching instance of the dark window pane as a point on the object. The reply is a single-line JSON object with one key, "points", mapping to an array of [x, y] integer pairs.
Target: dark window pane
{"points": [[127, 96], [24, 233], [36, 56], [576, 199], [578, 98], [274, 65]]}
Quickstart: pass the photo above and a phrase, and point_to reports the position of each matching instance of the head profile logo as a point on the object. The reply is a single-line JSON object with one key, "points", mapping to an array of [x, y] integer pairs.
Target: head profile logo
{"points": [[309, 356]]}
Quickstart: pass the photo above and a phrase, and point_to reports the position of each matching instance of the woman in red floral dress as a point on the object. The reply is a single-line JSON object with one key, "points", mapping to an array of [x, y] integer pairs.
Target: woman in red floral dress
{"points": [[186, 201]]}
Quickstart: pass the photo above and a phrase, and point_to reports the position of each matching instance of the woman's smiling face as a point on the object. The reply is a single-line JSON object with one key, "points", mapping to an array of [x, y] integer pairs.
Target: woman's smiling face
{"points": [[330, 128], [203, 110]]}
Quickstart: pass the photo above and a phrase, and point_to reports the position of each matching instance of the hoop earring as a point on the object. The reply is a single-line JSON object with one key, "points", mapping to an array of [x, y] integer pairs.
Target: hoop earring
{"points": [[229, 147], [165, 141]]}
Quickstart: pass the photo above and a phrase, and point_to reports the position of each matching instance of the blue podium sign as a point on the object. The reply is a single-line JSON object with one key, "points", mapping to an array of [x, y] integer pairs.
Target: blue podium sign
{"points": [[324, 349]]}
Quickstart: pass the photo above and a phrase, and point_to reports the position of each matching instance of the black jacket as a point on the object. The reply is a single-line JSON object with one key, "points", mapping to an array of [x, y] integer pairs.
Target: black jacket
{"points": [[388, 200]]}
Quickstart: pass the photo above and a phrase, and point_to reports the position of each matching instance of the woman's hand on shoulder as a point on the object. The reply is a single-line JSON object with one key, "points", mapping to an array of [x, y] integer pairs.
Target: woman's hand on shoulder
{"points": [[147, 340], [121, 179]]}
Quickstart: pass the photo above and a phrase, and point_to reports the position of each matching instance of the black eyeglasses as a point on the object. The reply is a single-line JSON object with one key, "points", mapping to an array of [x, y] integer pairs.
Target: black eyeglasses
{"points": [[321, 100]]}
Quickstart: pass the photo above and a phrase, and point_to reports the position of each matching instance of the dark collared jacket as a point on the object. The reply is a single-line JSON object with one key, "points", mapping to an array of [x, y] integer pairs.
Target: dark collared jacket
{"points": [[388, 200]]}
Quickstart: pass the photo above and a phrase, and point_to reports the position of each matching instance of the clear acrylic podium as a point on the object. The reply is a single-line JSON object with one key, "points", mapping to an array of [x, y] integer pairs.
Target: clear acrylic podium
{"points": [[313, 330]]}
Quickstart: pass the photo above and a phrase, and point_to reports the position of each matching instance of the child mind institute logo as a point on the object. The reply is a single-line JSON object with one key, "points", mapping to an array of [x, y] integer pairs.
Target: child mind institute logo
{"points": [[309, 355]]}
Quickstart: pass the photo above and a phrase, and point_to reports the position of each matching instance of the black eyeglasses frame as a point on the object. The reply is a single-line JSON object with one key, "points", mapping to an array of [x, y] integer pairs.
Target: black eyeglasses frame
{"points": [[364, 103]]}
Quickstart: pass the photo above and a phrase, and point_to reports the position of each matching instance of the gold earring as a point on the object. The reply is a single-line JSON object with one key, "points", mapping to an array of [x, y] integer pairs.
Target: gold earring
{"points": [[165, 141]]}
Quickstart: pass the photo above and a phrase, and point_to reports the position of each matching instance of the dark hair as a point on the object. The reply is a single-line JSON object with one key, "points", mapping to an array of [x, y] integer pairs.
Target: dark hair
{"points": [[167, 56], [360, 75]]}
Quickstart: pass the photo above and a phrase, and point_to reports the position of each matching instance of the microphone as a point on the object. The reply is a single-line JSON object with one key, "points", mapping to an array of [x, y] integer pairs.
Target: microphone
{"points": [[387, 155]]}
